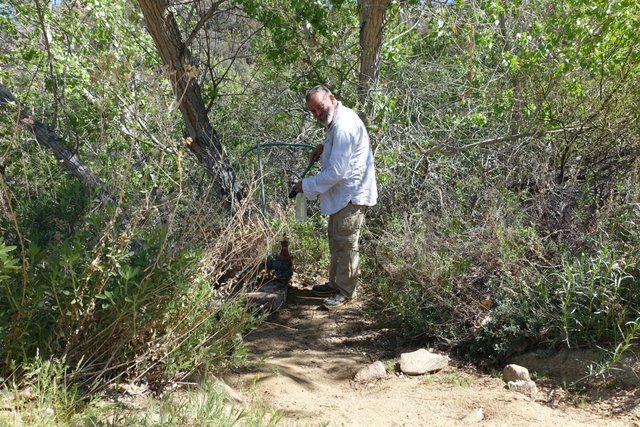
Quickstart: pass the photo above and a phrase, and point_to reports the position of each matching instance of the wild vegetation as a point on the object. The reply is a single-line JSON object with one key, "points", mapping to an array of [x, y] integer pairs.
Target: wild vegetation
{"points": [[506, 137]]}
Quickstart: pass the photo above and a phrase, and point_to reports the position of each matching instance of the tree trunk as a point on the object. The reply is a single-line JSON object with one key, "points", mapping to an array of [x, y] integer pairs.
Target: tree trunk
{"points": [[69, 159], [372, 22], [205, 142]]}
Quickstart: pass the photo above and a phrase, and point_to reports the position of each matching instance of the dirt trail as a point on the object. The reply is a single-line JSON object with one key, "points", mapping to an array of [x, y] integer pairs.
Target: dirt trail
{"points": [[306, 358]]}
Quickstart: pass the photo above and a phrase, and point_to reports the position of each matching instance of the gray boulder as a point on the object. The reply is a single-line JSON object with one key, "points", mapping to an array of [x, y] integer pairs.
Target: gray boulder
{"points": [[421, 362], [515, 373], [369, 373]]}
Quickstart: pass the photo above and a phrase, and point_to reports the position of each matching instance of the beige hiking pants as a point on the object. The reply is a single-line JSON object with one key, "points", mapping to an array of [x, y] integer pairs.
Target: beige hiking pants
{"points": [[344, 232]]}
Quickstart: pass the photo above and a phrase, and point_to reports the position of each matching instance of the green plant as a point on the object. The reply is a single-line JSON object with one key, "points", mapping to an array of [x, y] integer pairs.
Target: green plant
{"points": [[629, 334], [46, 396], [391, 365], [459, 379], [8, 263], [309, 246], [597, 297], [112, 311], [207, 405]]}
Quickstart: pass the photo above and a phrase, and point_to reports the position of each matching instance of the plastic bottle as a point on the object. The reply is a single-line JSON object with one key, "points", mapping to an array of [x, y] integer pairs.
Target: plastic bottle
{"points": [[301, 207]]}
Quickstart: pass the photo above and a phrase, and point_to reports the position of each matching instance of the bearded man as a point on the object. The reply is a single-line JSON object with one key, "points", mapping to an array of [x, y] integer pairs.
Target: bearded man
{"points": [[345, 185]]}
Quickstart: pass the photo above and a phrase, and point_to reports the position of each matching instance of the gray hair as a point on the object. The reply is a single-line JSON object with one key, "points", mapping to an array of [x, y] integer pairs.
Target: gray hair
{"points": [[320, 88]]}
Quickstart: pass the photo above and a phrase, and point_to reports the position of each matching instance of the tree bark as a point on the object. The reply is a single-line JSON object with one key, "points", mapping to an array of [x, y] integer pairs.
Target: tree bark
{"points": [[372, 22], [47, 138], [204, 140]]}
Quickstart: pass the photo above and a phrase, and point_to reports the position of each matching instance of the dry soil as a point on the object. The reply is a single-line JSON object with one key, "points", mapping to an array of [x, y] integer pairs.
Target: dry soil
{"points": [[305, 358]]}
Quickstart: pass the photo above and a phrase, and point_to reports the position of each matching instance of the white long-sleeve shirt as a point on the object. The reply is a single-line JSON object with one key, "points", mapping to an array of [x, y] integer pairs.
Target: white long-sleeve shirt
{"points": [[348, 172]]}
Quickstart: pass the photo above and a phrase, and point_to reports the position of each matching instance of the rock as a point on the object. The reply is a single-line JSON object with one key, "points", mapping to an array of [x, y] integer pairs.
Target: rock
{"points": [[372, 372], [474, 416], [515, 373], [133, 389], [26, 394], [527, 387], [422, 361], [269, 298]]}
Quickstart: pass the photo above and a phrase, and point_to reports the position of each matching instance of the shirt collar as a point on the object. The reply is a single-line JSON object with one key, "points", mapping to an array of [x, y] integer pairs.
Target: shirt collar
{"points": [[335, 115]]}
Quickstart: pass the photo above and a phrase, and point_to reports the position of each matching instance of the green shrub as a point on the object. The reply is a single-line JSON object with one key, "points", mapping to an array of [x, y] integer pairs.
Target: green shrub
{"points": [[48, 397], [208, 405], [486, 293], [112, 311], [8, 263]]}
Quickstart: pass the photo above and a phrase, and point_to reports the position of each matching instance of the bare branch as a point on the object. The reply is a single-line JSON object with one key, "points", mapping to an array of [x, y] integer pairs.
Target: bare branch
{"points": [[535, 133], [212, 10]]}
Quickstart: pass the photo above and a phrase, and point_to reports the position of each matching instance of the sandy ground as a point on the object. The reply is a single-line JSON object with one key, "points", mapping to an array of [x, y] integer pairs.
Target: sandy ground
{"points": [[306, 357]]}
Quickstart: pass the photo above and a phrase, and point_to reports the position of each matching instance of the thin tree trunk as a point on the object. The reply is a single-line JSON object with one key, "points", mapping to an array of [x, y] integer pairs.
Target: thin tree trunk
{"points": [[47, 138], [204, 140], [372, 22]]}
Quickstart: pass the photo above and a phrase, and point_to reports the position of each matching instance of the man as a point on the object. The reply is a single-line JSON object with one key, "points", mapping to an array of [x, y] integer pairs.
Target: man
{"points": [[345, 185]]}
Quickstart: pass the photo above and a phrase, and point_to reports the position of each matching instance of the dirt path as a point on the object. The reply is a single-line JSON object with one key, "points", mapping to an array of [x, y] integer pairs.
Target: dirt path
{"points": [[306, 358]]}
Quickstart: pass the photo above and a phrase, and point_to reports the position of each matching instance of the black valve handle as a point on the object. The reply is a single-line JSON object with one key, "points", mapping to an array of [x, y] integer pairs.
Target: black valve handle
{"points": [[295, 191]]}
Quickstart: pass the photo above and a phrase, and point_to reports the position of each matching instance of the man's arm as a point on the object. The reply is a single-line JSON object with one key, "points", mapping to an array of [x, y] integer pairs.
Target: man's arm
{"points": [[316, 153], [336, 167]]}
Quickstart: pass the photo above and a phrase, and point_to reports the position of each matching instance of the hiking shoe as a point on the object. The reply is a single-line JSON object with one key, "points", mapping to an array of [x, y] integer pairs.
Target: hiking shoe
{"points": [[323, 290], [335, 301]]}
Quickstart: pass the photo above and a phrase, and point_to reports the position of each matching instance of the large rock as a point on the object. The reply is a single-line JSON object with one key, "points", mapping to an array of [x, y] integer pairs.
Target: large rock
{"points": [[372, 372], [422, 361], [515, 373]]}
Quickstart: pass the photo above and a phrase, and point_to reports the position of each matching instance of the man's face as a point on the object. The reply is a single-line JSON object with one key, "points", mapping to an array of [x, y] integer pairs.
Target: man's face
{"points": [[322, 107]]}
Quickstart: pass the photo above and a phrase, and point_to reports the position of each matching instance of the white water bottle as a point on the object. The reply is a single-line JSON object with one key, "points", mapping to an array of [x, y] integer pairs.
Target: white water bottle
{"points": [[301, 207]]}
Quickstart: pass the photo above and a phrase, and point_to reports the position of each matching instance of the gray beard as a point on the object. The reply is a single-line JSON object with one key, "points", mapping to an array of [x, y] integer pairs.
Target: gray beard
{"points": [[329, 119]]}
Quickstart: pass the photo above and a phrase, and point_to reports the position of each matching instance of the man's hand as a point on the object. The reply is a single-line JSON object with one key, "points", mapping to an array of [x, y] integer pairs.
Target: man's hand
{"points": [[297, 188], [316, 153]]}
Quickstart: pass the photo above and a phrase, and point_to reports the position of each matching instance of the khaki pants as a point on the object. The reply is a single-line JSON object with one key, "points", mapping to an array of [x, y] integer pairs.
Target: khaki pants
{"points": [[344, 232]]}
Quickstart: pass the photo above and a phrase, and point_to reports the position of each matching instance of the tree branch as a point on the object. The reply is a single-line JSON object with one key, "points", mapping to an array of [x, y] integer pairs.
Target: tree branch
{"points": [[212, 10], [50, 140], [483, 143]]}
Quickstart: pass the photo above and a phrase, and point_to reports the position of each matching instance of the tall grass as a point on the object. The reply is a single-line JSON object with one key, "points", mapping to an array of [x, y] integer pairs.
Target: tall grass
{"points": [[47, 397]]}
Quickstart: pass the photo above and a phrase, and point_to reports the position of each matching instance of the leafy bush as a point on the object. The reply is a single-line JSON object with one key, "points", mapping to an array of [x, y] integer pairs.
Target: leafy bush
{"points": [[206, 406], [310, 246], [116, 303], [486, 293]]}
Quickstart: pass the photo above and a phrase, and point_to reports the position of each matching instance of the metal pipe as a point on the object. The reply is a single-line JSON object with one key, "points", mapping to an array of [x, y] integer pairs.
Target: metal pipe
{"points": [[264, 199]]}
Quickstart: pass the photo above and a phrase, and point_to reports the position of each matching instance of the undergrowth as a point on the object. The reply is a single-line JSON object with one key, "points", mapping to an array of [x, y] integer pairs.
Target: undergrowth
{"points": [[47, 397], [493, 285]]}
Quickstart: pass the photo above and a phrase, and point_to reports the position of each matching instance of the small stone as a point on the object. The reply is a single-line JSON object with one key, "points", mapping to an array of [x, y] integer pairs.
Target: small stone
{"points": [[372, 372], [527, 387], [134, 389], [422, 361], [474, 416], [26, 394], [515, 373]]}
